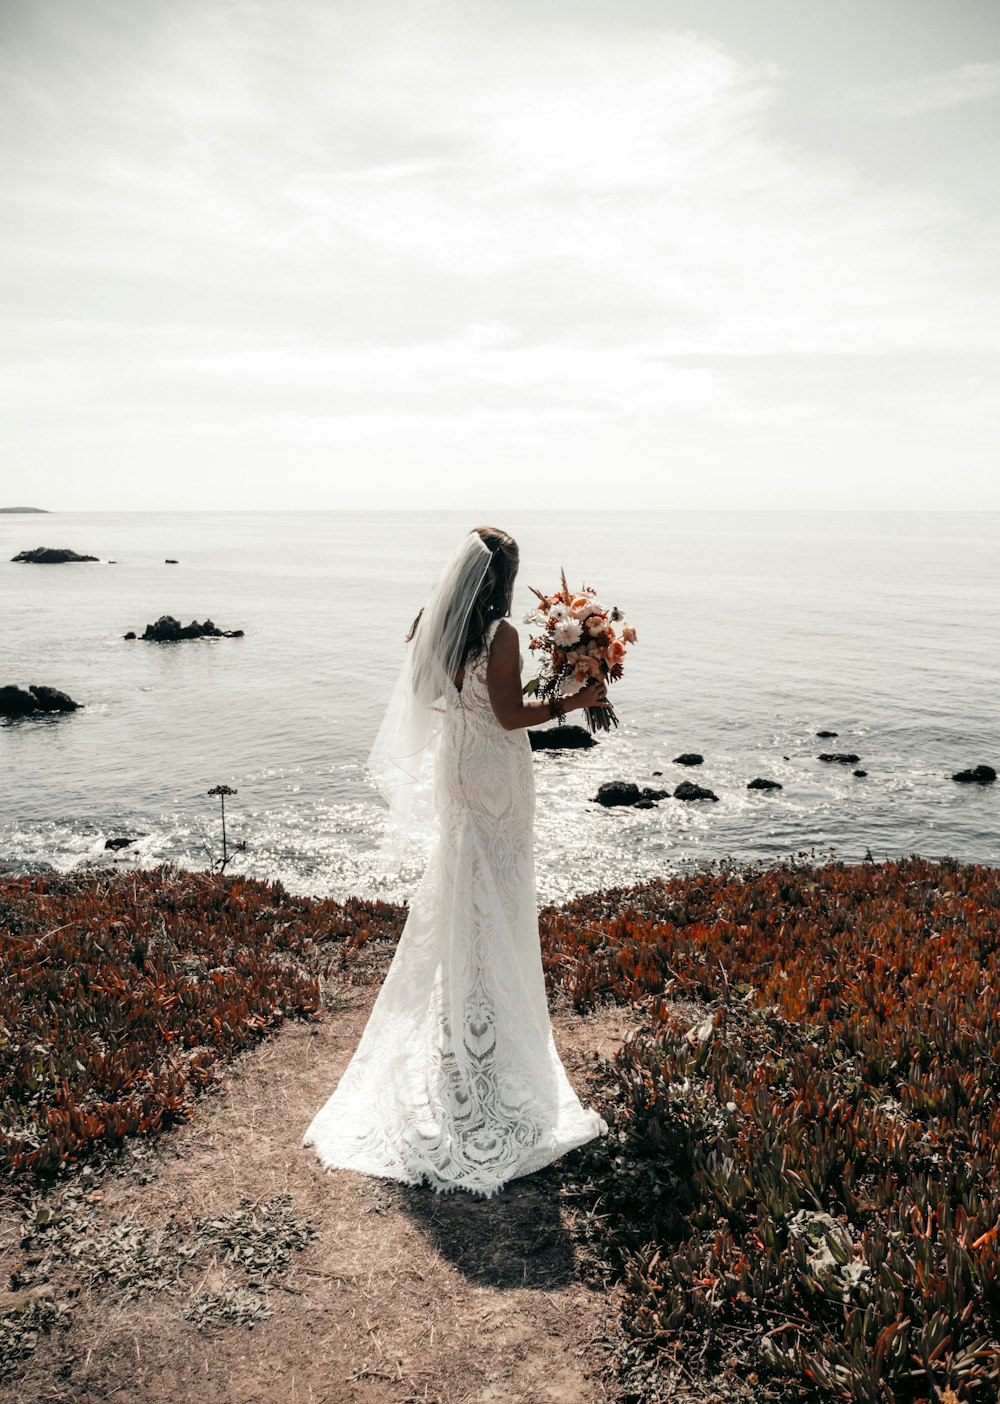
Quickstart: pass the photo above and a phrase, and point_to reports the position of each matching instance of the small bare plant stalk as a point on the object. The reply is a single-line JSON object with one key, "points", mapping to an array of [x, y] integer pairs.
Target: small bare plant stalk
{"points": [[222, 791]]}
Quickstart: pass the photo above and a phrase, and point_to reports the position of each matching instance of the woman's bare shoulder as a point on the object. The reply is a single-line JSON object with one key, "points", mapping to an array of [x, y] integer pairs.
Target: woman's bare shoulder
{"points": [[505, 640]]}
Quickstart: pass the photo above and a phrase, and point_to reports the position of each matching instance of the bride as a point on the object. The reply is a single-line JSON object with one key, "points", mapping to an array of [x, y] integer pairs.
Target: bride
{"points": [[456, 1081]]}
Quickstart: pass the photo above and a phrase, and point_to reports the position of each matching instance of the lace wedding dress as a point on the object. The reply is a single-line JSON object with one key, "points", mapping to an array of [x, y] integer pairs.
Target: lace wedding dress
{"points": [[456, 1081]]}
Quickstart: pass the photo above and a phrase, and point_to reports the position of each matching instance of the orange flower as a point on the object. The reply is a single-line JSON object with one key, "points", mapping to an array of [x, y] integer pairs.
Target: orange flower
{"points": [[614, 653]]}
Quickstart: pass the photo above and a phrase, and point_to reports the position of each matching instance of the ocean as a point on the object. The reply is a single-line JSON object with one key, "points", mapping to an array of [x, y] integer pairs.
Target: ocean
{"points": [[756, 630]]}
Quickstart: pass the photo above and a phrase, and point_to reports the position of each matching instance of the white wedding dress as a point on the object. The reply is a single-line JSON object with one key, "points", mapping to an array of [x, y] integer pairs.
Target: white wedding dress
{"points": [[456, 1081]]}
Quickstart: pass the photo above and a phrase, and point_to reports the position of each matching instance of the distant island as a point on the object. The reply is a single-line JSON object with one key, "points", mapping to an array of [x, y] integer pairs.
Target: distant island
{"points": [[24, 509]]}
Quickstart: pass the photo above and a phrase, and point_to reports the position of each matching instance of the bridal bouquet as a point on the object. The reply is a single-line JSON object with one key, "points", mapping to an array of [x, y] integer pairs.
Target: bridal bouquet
{"points": [[577, 643]]}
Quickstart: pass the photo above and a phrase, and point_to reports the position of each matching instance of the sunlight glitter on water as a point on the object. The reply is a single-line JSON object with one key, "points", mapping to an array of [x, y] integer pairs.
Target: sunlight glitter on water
{"points": [[756, 631]]}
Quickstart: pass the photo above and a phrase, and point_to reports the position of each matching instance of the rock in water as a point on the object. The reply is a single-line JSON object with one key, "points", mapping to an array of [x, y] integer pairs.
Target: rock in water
{"points": [[561, 738], [761, 784], [622, 792], [49, 555], [981, 775], [686, 791], [115, 843], [15, 702], [688, 758], [170, 561], [616, 792], [50, 699], [859, 773], [840, 757], [167, 629], [826, 735]]}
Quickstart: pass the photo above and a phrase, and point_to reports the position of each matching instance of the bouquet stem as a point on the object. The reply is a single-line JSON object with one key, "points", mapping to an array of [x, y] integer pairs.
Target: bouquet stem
{"points": [[601, 718]]}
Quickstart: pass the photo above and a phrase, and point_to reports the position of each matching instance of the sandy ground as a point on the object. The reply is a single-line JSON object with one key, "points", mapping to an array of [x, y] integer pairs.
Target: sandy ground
{"points": [[402, 1295]]}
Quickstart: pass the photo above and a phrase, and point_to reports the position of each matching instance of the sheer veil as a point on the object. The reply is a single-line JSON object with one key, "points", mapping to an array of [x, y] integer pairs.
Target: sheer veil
{"points": [[401, 763]]}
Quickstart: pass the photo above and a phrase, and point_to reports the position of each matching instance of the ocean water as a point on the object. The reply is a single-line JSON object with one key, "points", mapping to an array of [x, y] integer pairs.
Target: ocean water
{"points": [[756, 630]]}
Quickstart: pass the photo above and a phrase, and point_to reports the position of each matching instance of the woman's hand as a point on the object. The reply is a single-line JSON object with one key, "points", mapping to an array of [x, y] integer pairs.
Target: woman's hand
{"points": [[595, 694]]}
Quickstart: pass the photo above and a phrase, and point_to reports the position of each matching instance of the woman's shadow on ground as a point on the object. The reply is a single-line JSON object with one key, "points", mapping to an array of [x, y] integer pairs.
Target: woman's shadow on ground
{"points": [[515, 1239]]}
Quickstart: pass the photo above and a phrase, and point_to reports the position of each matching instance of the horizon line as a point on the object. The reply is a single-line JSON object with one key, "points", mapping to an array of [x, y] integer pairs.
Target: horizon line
{"points": [[531, 511]]}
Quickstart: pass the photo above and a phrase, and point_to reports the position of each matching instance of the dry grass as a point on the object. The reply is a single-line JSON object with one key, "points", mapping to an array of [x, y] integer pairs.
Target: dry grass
{"points": [[400, 1296]]}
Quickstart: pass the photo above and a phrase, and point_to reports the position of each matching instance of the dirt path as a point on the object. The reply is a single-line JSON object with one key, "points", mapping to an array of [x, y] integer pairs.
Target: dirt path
{"points": [[401, 1295]]}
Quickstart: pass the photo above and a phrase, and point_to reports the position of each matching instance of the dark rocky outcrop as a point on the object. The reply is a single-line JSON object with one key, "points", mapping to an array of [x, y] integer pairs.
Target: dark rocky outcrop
{"points": [[116, 843], [167, 629], [170, 561], [561, 738], [859, 773], [762, 784], [49, 555], [50, 699], [615, 792], [39, 511], [623, 792], [15, 702], [840, 757], [980, 775], [826, 735], [688, 758], [129, 635], [686, 791]]}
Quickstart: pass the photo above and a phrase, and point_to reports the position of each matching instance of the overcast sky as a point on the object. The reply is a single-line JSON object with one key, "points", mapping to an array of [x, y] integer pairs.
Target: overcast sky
{"points": [[691, 253]]}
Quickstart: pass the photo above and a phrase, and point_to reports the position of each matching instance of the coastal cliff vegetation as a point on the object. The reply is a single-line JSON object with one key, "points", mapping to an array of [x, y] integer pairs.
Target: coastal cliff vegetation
{"points": [[800, 1190]]}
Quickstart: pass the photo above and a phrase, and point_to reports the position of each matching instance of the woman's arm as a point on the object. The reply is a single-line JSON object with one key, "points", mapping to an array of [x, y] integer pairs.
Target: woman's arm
{"points": [[503, 680]]}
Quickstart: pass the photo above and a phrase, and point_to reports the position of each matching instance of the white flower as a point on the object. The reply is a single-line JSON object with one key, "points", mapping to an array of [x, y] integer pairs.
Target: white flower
{"points": [[559, 612], [535, 617], [567, 632], [570, 686]]}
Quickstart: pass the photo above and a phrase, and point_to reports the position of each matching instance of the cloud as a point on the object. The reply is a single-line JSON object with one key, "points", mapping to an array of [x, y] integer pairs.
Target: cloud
{"points": [[931, 92], [313, 226]]}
